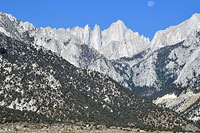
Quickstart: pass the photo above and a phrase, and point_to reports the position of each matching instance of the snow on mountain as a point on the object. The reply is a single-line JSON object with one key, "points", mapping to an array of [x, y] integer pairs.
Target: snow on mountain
{"points": [[175, 34]]}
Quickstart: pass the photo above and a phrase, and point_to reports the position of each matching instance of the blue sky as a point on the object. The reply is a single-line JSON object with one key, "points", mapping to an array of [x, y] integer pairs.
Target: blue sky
{"points": [[136, 14]]}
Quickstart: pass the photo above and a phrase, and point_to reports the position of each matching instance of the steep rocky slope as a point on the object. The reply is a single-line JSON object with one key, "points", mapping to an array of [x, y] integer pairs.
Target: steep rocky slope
{"points": [[115, 42], [178, 76], [88, 49], [175, 34], [170, 74], [35, 79], [78, 46], [169, 65]]}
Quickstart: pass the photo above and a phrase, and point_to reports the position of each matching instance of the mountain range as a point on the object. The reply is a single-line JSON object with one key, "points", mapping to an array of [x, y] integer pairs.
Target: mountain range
{"points": [[165, 69], [50, 89]]}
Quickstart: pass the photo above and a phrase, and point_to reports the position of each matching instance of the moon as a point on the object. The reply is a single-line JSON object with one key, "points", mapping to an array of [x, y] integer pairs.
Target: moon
{"points": [[151, 3]]}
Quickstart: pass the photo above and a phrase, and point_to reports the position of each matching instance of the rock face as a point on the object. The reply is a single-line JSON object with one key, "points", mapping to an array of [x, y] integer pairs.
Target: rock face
{"points": [[35, 79], [12, 27], [176, 64], [71, 44], [115, 42], [167, 65], [185, 66], [174, 72], [175, 34], [182, 68]]}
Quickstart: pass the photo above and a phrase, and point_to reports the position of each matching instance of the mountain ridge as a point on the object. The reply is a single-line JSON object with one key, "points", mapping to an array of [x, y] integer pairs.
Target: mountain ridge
{"points": [[176, 34], [38, 80], [155, 72], [100, 43]]}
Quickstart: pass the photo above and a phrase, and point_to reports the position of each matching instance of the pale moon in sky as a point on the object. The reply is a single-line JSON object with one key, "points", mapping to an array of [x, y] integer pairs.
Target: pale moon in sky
{"points": [[151, 3]]}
